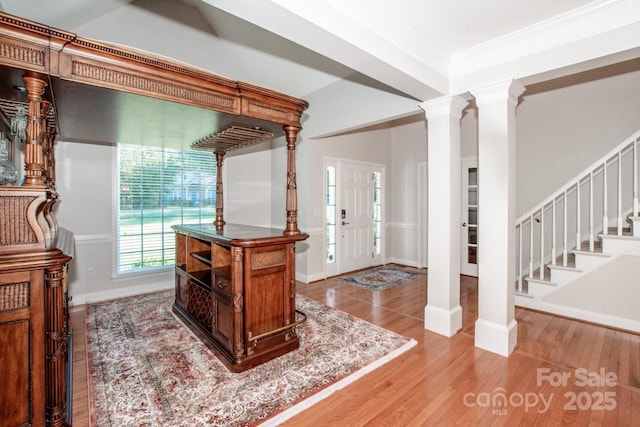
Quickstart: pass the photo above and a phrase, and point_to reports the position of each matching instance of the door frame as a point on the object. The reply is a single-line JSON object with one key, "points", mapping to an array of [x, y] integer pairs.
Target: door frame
{"points": [[335, 268]]}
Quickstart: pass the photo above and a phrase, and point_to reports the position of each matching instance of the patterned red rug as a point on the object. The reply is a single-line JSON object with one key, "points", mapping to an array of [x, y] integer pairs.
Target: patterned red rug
{"points": [[147, 369]]}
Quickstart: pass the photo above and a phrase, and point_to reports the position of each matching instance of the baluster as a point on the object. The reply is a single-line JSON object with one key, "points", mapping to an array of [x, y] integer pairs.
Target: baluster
{"points": [[553, 232], [520, 259], [578, 225], [605, 201], [531, 246], [636, 203], [619, 193], [591, 242], [564, 232], [542, 243]]}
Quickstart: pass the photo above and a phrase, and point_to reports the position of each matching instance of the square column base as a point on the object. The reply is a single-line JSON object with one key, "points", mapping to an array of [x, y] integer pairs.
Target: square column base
{"points": [[496, 338], [443, 321]]}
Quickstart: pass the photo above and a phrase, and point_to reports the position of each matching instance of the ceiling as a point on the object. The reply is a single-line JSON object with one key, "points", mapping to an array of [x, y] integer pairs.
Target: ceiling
{"points": [[399, 51]]}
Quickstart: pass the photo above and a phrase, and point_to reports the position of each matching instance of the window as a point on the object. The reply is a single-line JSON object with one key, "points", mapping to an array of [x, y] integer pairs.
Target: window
{"points": [[331, 214], [160, 187], [377, 213]]}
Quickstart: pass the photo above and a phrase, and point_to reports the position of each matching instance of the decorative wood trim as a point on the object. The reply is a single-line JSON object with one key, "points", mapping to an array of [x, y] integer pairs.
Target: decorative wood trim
{"points": [[14, 296], [21, 54], [267, 259], [106, 75]]}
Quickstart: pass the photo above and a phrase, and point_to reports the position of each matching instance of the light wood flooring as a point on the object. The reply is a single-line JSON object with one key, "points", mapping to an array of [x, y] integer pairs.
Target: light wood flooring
{"points": [[550, 379]]}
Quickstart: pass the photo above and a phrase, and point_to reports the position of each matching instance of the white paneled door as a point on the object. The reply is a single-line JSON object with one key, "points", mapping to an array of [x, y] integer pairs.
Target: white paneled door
{"points": [[356, 216]]}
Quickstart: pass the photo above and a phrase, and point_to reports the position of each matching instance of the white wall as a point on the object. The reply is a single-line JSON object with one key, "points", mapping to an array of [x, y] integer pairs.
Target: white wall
{"points": [[408, 148], [563, 130], [247, 185]]}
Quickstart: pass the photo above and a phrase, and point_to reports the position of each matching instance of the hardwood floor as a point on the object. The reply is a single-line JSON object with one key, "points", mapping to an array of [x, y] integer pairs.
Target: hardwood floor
{"points": [[563, 372]]}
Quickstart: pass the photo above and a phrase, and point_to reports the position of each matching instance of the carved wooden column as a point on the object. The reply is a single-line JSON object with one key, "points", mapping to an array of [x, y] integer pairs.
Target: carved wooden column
{"points": [[48, 141], [55, 345], [292, 195], [237, 262], [33, 152], [219, 221], [48, 171]]}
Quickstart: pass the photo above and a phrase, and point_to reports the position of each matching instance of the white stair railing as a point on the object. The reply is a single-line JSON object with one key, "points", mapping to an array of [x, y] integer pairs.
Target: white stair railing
{"points": [[611, 183]]}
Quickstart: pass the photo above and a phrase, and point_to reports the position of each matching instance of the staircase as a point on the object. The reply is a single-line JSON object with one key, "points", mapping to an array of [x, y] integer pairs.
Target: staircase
{"points": [[584, 226]]}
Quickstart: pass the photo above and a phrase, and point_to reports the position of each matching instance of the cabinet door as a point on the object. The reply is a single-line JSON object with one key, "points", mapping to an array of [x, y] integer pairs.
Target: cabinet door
{"points": [[268, 294], [22, 354], [222, 319]]}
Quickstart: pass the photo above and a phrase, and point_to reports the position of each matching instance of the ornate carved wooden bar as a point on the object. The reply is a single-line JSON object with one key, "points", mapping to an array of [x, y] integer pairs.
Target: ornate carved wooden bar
{"points": [[33, 266]]}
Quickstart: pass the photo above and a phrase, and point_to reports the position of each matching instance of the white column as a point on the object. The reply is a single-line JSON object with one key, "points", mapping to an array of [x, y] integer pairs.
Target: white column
{"points": [[496, 327], [443, 313]]}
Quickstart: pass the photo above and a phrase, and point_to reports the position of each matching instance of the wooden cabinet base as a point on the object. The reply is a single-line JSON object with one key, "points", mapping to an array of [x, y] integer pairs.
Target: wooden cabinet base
{"points": [[235, 289], [232, 363]]}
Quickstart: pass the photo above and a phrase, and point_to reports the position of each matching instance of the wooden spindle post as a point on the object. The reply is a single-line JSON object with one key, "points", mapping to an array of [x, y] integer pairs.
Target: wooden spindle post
{"points": [[292, 196], [33, 152], [219, 221]]}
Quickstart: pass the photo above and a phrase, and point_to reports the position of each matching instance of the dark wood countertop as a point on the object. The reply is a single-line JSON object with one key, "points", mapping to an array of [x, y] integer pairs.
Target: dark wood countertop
{"points": [[238, 234]]}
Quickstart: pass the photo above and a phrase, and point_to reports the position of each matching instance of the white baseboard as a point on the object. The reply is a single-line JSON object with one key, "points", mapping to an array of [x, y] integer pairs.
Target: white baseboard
{"points": [[407, 262], [588, 316], [495, 337], [308, 278], [119, 293]]}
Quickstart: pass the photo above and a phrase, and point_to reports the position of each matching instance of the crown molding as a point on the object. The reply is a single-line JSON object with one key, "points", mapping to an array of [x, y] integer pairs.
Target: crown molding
{"points": [[581, 23]]}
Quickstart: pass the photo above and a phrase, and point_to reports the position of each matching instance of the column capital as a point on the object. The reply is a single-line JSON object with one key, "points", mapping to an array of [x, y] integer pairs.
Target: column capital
{"points": [[449, 105], [503, 91]]}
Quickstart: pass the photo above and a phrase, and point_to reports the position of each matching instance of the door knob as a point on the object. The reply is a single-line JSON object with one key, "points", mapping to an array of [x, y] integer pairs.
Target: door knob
{"points": [[345, 223], [464, 224]]}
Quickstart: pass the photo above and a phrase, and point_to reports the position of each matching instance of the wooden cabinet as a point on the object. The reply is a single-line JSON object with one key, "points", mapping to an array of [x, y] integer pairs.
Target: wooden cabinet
{"points": [[34, 335], [33, 338], [236, 289]]}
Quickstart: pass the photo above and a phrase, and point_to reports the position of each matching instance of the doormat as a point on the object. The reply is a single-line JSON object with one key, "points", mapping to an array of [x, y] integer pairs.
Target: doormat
{"points": [[380, 278], [147, 368]]}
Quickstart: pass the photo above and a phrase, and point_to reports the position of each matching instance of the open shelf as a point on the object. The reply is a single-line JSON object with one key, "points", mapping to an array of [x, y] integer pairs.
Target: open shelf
{"points": [[202, 277], [204, 256]]}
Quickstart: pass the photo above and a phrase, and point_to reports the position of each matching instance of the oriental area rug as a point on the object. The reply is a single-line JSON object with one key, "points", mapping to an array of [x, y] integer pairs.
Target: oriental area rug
{"points": [[380, 278], [147, 369]]}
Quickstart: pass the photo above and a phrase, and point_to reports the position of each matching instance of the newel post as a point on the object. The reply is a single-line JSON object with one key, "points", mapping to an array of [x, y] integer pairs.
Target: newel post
{"points": [[292, 195]]}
